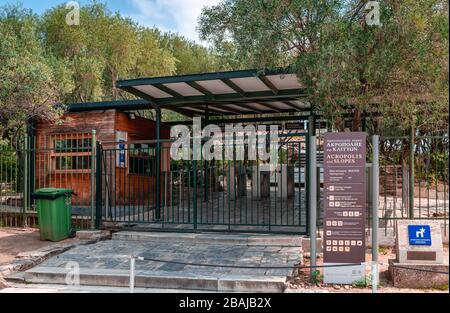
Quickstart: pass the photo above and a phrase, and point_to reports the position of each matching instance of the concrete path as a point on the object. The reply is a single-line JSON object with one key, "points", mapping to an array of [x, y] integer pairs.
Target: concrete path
{"points": [[107, 263]]}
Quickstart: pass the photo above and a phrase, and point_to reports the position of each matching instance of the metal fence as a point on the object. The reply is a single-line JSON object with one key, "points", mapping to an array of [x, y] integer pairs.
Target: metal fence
{"points": [[60, 161], [414, 178], [414, 183], [219, 195]]}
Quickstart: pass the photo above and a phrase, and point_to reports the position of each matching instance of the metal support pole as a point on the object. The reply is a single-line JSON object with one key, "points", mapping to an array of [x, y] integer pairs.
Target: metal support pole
{"points": [[98, 187], [205, 163], [312, 125], [133, 271], [158, 165], [375, 200], [25, 182], [312, 201], [194, 195], [132, 267], [93, 143], [32, 156], [411, 173], [308, 187]]}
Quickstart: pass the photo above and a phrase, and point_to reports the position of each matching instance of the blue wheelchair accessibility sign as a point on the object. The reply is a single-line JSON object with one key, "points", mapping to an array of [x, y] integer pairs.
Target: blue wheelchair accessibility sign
{"points": [[419, 235]]}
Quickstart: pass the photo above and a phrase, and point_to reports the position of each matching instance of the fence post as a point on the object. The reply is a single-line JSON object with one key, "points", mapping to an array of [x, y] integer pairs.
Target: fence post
{"points": [[25, 182], [158, 165], [312, 202], [411, 173], [308, 187], [194, 195], [98, 187], [375, 200], [93, 141], [132, 273]]}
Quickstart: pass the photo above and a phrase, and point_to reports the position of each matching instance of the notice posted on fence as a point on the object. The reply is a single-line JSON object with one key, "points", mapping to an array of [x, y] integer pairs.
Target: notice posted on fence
{"points": [[345, 206]]}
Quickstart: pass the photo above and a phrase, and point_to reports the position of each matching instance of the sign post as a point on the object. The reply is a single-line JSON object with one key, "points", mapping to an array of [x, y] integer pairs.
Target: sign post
{"points": [[345, 206], [375, 200]]}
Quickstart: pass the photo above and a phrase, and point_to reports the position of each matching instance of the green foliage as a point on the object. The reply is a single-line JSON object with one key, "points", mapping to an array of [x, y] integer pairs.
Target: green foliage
{"points": [[105, 47], [442, 287], [8, 167], [317, 277], [363, 282], [190, 56], [383, 250], [44, 61], [398, 69], [29, 82]]}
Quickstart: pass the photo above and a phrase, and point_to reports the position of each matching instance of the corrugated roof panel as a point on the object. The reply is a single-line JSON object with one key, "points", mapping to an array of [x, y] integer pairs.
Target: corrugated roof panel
{"points": [[259, 107], [153, 91], [238, 107], [216, 87], [184, 89], [250, 84], [280, 105]]}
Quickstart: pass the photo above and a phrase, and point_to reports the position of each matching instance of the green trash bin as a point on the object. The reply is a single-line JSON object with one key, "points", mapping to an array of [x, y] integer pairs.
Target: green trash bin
{"points": [[54, 206]]}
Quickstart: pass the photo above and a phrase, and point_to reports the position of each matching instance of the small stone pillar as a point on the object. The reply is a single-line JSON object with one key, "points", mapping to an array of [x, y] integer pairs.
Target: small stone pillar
{"points": [[419, 246]]}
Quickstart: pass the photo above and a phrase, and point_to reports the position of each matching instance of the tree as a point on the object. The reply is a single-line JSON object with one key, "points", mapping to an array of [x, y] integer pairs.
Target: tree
{"points": [[190, 56], [105, 47], [398, 69], [30, 83]]}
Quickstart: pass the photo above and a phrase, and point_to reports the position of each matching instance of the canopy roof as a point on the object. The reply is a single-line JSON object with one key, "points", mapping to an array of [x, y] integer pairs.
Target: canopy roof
{"points": [[221, 93]]}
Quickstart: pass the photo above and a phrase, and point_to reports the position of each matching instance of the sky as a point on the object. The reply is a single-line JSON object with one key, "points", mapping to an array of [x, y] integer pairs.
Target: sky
{"points": [[178, 16]]}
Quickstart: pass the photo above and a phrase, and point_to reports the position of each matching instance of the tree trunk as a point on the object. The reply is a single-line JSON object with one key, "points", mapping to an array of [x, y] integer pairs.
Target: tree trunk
{"points": [[339, 124], [356, 123]]}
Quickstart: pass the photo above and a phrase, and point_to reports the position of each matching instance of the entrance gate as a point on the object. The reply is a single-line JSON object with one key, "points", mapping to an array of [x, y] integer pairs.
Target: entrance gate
{"points": [[237, 195]]}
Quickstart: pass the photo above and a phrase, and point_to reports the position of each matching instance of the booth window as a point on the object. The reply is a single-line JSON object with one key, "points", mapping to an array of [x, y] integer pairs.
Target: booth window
{"points": [[141, 159], [71, 152]]}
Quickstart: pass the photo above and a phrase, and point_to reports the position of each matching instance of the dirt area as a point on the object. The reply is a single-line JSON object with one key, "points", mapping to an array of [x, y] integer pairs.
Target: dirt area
{"points": [[16, 240], [385, 286]]}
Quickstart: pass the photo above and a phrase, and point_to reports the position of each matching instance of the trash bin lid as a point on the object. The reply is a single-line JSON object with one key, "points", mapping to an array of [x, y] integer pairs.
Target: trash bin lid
{"points": [[46, 193]]}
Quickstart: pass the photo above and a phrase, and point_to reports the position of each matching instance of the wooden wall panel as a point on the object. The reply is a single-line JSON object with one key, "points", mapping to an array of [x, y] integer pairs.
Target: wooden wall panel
{"points": [[128, 189], [140, 128], [72, 123]]}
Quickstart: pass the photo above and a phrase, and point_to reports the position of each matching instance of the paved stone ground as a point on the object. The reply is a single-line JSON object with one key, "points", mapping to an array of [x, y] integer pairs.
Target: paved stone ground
{"points": [[114, 255]]}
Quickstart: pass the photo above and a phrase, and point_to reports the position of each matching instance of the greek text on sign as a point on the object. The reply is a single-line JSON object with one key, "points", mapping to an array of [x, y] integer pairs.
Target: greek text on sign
{"points": [[345, 205]]}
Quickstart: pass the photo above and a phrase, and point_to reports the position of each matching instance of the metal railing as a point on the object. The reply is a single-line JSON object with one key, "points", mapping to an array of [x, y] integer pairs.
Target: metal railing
{"points": [[414, 178], [217, 195], [422, 195], [59, 161], [414, 183]]}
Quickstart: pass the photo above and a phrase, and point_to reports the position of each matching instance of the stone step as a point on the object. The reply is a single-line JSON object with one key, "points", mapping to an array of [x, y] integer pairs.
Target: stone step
{"points": [[49, 288], [160, 280], [219, 238]]}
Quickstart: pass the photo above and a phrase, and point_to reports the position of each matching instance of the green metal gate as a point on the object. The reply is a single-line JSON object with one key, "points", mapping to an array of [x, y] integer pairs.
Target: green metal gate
{"points": [[233, 195]]}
